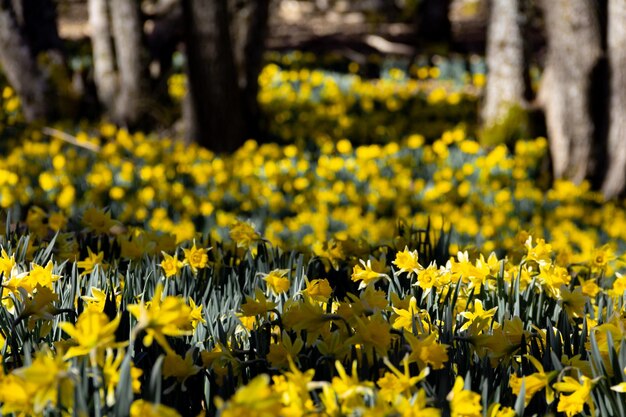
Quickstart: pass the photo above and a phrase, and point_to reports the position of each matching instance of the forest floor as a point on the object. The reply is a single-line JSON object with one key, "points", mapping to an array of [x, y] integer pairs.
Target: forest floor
{"points": [[339, 27]]}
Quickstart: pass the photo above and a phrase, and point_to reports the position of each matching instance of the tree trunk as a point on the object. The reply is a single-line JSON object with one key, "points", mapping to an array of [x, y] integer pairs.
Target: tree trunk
{"points": [[574, 50], [505, 62], [40, 25], [217, 120], [433, 22], [19, 66], [127, 34], [105, 76], [615, 180], [254, 48]]}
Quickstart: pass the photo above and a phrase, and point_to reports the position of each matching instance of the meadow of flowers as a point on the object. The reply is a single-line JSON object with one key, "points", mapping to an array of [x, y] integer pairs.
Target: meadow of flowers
{"points": [[427, 276]]}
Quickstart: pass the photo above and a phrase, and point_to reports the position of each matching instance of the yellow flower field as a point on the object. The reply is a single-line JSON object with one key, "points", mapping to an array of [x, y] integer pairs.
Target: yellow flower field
{"points": [[427, 276]]}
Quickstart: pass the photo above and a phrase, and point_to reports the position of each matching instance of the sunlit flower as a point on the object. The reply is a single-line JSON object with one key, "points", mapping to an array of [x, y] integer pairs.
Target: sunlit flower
{"points": [[478, 319], [276, 281], [171, 265], [169, 316], [93, 330], [196, 258], [580, 394], [464, 403], [365, 274], [408, 261]]}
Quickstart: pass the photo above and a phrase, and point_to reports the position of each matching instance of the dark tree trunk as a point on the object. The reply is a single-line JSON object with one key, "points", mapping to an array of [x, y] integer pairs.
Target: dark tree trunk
{"points": [[254, 47], [39, 24], [217, 120], [433, 22], [615, 180], [505, 61], [574, 52], [19, 65], [132, 100]]}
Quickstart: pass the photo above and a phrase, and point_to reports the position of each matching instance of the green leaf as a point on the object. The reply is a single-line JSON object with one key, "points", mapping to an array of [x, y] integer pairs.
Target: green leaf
{"points": [[155, 387], [124, 389], [519, 402]]}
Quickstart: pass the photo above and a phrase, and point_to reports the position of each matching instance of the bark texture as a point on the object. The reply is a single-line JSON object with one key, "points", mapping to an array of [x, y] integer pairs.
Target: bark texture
{"points": [[105, 76], [216, 120], [505, 62], [615, 179], [254, 47], [20, 67], [127, 34], [574, 50], [120, 70]]}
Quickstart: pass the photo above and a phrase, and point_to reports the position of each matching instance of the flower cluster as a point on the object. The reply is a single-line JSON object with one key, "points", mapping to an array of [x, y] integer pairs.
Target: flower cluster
{"points": [[146, 277], [305, 198], [390, 331]]}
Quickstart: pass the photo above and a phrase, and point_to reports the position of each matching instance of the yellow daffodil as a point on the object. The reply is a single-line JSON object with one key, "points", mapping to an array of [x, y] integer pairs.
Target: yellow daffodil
{"points": [[93, 331], [407, 318], [573, 302], [427, 351], [169, 316], [533, 383], [98, 221], [6, 264], [580, 394], [171, 265], [41, 304], [478, 319], [365, 274], [30, 389], [408, 261], [244, 234], [90, 262], [255, 399], [276, 281], [283, 350], [497, 410], [541, 252], [428, 278], [180, 368], [464, 403], [142, 408], [256, 306], [111, 374], [348, 386], [601, 257], [306, 315], [40, 275], [196, 258], [318, 289], [396, 383], [196, 314]]}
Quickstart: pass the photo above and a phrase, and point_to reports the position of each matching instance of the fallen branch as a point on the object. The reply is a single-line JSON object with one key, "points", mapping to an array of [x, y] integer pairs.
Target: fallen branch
{"points": [[66, 137]]}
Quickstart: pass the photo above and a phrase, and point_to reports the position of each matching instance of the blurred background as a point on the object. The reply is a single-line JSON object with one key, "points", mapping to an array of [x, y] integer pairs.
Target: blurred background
{"points": [[219, 72]]}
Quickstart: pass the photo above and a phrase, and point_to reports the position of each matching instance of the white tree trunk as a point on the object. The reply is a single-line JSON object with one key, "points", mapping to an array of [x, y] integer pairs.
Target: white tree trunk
{"points": [[505, 62], [127, 33], [615, 180], [574, 48], [105, 76]]}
